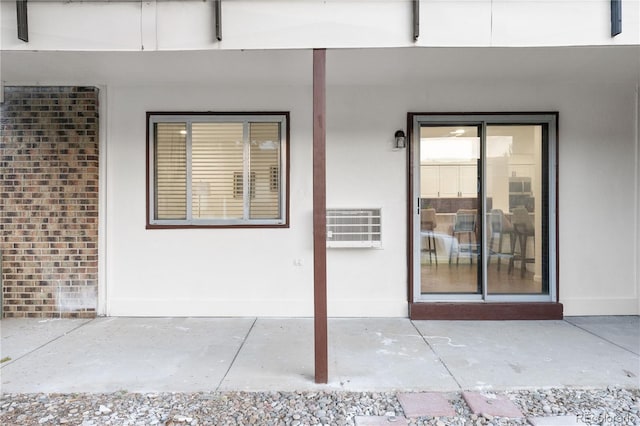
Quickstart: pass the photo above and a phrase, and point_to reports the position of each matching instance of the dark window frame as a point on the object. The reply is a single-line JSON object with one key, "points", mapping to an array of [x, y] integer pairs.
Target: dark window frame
{"points": [[282, 222]]}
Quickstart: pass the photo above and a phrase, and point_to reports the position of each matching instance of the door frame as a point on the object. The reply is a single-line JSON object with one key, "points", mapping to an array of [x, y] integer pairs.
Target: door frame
{"points": [[481, 306]]}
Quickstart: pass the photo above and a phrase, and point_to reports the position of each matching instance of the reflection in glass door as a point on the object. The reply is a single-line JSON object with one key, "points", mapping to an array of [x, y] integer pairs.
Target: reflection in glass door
{"points": [[514, 209], [483, 197], [449, 209]]}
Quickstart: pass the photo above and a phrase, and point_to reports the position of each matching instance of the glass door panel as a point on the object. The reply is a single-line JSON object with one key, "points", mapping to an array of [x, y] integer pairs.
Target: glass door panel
{"points": [[450, 226], [514, 209]]}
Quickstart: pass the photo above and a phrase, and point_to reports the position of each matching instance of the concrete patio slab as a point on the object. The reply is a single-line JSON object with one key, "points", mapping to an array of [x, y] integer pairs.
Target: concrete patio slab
{"points": [[624, 331], [491, 404], [422, 404], [364, 354], [383, 354], [528, 354], [278, 355], [23, 335], [132, 354]]}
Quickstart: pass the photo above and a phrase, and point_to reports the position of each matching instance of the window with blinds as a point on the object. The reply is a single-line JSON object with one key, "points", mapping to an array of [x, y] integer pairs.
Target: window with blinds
{"points": [[217, 169]]}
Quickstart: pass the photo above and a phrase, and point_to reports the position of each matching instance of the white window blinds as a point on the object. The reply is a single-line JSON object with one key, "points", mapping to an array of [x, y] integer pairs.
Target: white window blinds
{"points": [[171, 170], [217, 154], [264, 162]]}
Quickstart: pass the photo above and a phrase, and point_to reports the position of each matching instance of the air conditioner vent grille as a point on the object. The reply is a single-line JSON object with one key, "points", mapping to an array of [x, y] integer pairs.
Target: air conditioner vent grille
{"points": [[354, 228]]}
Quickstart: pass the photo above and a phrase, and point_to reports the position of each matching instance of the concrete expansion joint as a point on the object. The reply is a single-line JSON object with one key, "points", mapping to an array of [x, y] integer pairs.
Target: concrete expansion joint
{"points": [[244, 339], [434, 350], [600, 336], [9, 360]]}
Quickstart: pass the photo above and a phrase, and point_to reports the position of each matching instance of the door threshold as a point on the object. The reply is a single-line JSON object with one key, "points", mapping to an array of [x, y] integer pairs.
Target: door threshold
{"points": [[486, 311]]}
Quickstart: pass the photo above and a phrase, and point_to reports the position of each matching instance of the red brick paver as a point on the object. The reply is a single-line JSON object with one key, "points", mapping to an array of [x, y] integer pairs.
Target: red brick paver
{"points": [[425, 404], [493, 405]]}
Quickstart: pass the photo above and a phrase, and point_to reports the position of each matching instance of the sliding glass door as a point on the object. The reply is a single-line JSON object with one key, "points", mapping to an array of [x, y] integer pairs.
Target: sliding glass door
{"points": [[483, 198]]}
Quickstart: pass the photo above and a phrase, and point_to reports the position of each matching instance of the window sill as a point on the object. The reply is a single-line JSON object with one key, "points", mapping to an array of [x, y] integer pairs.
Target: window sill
{"points": [[229, 226]]}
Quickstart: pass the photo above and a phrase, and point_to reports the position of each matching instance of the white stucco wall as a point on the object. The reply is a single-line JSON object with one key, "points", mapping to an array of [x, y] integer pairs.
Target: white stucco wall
{"points": [[203, 271], [278, 24], [637, 181], [252, 271], [597, 152]]}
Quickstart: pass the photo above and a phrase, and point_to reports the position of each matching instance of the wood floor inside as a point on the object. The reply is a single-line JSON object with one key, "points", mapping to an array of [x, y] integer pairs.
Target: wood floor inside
{"points": [[463, 277]]}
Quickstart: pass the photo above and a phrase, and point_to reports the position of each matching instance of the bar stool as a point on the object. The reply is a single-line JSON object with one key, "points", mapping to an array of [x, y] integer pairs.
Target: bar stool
{"points": [[524, 228], [428, 224], [500, 226]]}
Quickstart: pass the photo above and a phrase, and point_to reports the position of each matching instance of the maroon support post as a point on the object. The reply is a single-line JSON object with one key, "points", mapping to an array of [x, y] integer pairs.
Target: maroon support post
{"points": [[319, 216]]}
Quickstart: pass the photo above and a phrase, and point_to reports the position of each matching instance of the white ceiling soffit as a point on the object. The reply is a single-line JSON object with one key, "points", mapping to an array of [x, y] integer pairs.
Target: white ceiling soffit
{"points": [[387, 67], [403, 66], [253, 68]]}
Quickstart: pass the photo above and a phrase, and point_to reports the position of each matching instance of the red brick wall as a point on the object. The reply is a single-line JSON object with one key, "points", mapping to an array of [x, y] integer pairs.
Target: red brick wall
{"points": [[49, 201]]}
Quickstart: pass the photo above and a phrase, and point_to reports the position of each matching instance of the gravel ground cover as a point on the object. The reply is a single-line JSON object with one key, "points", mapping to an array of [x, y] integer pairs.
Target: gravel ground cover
{"points": [[611, 406]]}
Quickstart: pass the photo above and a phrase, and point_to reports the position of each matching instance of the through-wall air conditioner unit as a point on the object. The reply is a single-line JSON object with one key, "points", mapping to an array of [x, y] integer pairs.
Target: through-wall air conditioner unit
{"points": [[354, 228]]}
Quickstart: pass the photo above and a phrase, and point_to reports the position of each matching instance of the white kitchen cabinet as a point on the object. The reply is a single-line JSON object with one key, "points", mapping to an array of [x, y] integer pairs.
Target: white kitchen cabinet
{"points": [[468, 181], [429, 181], [448, 181]]}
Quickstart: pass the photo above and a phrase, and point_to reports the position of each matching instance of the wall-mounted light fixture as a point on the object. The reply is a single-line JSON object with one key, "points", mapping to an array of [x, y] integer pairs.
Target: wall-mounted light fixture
{"points": [[401, 140]]}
